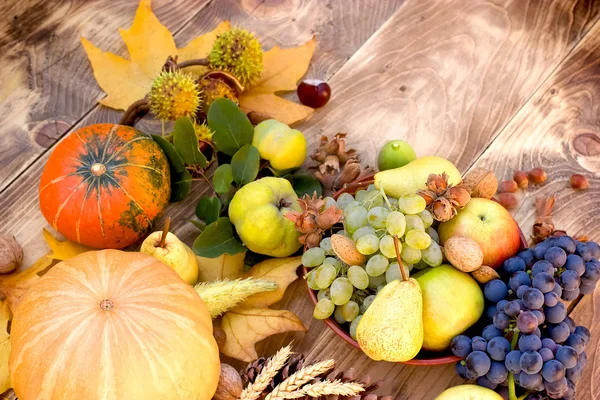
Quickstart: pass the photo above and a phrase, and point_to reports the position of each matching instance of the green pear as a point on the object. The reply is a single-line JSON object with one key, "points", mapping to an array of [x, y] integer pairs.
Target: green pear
{"points": [[413, 176], [392, 327], [468, 392]]}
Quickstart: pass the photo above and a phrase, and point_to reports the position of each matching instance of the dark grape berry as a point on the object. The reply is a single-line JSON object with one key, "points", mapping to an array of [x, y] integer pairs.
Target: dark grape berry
{"points": [[583, 359], [584, 251], [595, 249], [544, 282], [461, 346], [498, 347], [490, 332], [512, 361], [574, 374], [513, 265], [314, 93], [478, 362], [556, 314], [570, 295], [501, 320], [546, 354], [528, 256], [548, 343], [527, 322], [572, 326], [495, 290], [479, 344], [497, 373], [569, 280], [584, 333], [542, 266], [530, 381], [557, 288], [531, 362], [539, 250], [575, 263], [519, 278], [575, 341], [556, 389], [501, 304], [528, 343], [464, 373], [567, 244], [537, 332], [559, 332], [567, 355], [486, 383], [533, 298], [553, 370], [592, 272], [541, 317], [490, 311], [556, 256], [512, 309], [586, 288], [551, 299], [522, 290]]}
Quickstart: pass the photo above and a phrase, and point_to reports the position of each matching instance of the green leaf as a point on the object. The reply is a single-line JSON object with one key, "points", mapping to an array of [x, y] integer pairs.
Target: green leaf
{"points": [[208, 209], [231, 126], [218, 239], [186, 143], [244, 164], [181, 180], [307, 184], [198, 224], [222, 178]]}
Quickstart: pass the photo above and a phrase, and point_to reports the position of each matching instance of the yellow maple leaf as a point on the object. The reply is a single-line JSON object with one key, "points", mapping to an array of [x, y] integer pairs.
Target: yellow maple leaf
{"points": [[5, 316], [65, 249], [149, 44], [244, 327], [282, 271], [223, 267]]}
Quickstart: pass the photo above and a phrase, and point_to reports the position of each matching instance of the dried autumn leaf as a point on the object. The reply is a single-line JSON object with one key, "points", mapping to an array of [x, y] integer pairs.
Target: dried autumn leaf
{"points": [[282, 70], [282, 271], [245, 327], [65, 249], [149, 44], [14, 286], [5, 316], [225, 266]]}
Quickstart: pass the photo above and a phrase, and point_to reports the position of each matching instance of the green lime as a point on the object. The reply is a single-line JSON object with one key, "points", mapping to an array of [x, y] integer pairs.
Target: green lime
{"points": [[395, 154]]}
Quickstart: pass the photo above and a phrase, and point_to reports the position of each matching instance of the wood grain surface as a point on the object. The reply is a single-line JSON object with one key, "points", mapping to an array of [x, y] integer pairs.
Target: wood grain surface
{"points": [[500, 84]]}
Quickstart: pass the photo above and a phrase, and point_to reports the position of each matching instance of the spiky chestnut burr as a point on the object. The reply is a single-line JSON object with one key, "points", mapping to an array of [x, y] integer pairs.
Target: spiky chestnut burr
{"points": [[174, 94], [212, 89], [239, 52]]}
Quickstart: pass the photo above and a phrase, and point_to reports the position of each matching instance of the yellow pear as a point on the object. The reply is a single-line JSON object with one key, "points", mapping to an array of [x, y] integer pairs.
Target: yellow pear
{"points": [[468, 392], [392, 327], [413, 176], [174, 253]]}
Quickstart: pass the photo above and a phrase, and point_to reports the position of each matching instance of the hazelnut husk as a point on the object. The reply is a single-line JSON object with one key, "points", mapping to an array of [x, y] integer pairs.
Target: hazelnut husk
{"points": [[482, 183], [230, 384], [11, 254]]}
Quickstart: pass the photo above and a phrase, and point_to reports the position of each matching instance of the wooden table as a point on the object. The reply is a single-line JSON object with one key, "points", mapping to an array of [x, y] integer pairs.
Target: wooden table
{"points": [[499, 84]]}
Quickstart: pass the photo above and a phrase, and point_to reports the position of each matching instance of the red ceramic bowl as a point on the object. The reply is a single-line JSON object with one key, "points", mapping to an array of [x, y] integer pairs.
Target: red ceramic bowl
{"points": [[424, 357]]}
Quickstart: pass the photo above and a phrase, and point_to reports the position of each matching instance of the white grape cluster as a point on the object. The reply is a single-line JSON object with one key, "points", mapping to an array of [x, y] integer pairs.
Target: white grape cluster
{"points": [[371, 220]]}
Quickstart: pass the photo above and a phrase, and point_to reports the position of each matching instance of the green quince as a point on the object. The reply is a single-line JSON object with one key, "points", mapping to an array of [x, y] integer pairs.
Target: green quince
{"points": [[257, 211], [282, 146]]}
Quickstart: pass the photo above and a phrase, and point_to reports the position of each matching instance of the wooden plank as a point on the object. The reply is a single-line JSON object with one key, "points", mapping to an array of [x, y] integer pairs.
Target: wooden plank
{"points": [[46, 80], [559, 130]]}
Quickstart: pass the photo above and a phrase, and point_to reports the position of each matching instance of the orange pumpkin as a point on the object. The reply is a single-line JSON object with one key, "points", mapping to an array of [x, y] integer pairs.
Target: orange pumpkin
{"points": [[109, 325], [104, 185]]}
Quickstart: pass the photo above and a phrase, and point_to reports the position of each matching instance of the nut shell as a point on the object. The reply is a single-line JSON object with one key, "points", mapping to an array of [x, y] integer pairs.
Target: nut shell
{"points": [[345, 249], [537, 175], [508, 200], [521, 179], [11, 254], [482, 183], [463, 253], [230, 384], [579, 182], [485, 274]]}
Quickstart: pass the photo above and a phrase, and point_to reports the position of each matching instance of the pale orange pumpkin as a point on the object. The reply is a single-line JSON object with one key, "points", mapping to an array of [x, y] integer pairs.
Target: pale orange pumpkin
{"points": [[111, 325]]}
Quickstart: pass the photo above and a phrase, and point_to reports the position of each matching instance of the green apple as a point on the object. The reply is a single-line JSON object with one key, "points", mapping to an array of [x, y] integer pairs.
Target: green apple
{"points": [[469, 392], [257, 211], [452, 302], [490, 225]]}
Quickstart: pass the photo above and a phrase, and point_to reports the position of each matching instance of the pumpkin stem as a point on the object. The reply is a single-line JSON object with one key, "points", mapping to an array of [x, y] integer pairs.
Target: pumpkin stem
{"points": [[107, 305], [163, 238]]}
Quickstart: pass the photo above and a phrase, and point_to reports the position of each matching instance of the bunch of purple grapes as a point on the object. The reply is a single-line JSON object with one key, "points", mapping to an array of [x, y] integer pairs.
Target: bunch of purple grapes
{"points": [[531, 340]]}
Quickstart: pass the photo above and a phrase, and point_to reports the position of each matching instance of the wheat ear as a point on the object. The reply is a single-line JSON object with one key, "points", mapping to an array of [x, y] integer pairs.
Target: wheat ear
{"points": [[298, 379], [254, 390], [327, 388], [221, 296]]}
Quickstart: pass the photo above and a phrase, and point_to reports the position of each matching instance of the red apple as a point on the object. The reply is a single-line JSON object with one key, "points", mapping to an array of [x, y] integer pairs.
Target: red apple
{"points": [[490, 225]]}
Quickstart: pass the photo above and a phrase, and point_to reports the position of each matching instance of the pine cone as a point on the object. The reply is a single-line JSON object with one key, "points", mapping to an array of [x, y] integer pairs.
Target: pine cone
{"points": [[293, 364], [442, 199]]}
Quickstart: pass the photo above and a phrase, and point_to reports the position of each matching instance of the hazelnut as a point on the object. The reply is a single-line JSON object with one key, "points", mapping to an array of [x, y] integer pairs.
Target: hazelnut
{"points": [[11, 254], [537, 175], [230, 384], [521, 179], [482, 183], [507, 200], [579, 182], [507, 187]]}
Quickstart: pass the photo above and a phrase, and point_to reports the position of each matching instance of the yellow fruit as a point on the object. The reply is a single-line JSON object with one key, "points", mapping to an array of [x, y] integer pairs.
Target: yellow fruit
{"points": [[468, 392], [283, 147], [413, 176], [174, 253], [392, 327], [257, 212]]}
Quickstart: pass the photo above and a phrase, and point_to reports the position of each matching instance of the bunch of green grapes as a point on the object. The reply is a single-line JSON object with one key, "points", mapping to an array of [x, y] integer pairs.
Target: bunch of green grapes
{"points": [[371, 220]]}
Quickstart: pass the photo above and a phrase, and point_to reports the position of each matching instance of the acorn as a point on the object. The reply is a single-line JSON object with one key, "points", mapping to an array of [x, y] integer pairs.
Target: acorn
{"points": [[237, 51], [174, 94]]}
